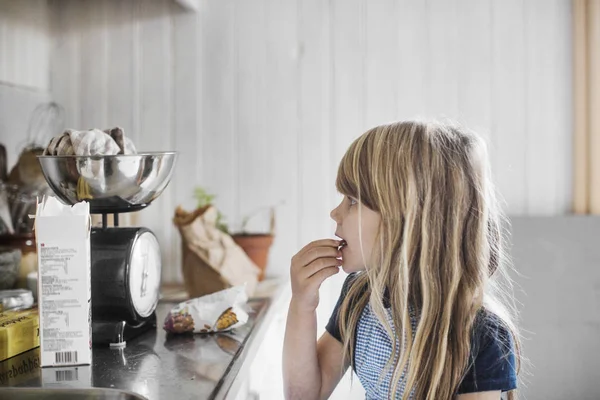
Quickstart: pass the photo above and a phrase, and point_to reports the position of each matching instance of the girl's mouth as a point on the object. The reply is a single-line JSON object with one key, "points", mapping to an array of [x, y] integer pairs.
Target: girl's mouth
{"points": [[342, 245]]}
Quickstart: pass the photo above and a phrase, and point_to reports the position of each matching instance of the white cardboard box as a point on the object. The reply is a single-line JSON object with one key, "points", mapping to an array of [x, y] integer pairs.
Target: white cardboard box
{"points": [[64, 285]]}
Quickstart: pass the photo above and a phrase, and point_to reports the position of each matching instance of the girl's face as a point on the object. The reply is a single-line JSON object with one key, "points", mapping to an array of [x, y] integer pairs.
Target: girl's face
{"points": [[346, 217]]}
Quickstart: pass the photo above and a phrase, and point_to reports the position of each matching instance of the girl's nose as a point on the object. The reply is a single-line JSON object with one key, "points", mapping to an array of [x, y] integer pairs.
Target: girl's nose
{"points": [[334, 214]]}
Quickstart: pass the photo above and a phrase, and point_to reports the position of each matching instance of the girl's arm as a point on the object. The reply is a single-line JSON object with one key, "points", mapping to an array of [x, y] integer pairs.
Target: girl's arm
{"points": [[311, 369]]}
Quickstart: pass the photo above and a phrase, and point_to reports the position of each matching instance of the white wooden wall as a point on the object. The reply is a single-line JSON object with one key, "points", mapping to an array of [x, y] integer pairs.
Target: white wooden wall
{"points": [[262, 97], [17, 106], [24, 44]]}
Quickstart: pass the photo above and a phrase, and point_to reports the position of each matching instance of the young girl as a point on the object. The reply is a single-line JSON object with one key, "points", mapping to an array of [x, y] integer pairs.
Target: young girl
{"points": [[420, 238]]}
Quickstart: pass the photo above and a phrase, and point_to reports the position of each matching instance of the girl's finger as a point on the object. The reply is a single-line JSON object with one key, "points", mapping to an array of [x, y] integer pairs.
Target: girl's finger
{"points": [[316, 253], [318, 243], [317, 265], [317, 279]]}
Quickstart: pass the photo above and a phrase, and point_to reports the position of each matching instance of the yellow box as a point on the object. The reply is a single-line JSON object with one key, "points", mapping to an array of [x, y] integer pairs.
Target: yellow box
{"points": [[22, 368], [19, 332]]}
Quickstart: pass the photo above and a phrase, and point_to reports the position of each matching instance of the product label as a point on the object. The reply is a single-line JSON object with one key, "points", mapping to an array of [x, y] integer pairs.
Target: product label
{"points": [[62, 234], [64, 302]]}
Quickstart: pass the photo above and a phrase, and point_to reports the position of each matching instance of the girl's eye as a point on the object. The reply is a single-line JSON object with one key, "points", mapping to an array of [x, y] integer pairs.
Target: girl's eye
{"points": [[352, 201]]}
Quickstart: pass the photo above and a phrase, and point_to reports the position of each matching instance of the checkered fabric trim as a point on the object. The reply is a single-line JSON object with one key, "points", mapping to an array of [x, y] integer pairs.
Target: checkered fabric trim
{"points": [[372, 351]]}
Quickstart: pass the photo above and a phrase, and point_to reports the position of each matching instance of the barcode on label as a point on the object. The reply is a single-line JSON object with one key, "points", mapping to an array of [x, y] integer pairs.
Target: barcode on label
{"points": [[64, 357], [70, 375]]}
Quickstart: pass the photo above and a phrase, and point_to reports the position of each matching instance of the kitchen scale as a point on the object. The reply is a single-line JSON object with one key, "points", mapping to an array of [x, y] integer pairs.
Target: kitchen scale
{"points": [[125, 261]]}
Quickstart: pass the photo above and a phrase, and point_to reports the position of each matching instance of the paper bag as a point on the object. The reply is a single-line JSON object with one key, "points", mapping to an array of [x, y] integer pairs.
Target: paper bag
{"points": [[62, 235], [211, 260]]}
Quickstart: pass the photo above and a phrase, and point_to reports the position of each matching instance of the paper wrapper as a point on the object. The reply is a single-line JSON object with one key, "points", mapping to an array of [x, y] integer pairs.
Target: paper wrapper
{"points": [[210, 259], [217, 312]]}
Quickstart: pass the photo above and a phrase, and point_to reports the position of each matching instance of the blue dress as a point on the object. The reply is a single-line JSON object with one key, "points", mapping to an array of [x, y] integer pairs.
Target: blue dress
{"points": [[493, 353]]}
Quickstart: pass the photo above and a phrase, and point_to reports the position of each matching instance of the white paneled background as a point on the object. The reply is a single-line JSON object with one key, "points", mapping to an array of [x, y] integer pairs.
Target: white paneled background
{"points": [[17, 105], [261, 98], [24, 44]]}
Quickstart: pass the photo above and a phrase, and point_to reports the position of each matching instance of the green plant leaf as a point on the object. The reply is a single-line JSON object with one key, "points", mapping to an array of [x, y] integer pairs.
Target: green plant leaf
{"points": [[203, 197]]}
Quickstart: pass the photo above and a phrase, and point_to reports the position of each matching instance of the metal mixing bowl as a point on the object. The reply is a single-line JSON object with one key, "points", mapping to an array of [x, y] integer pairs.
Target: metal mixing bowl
{"points": [[111, 184]]}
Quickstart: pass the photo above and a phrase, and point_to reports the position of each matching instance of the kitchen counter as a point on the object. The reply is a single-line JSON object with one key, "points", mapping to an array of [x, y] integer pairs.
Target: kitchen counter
{"points": [[157, 365]]}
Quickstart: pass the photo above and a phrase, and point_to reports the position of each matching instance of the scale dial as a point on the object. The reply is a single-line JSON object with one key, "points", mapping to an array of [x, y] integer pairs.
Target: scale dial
{"points": [[144, 274]]}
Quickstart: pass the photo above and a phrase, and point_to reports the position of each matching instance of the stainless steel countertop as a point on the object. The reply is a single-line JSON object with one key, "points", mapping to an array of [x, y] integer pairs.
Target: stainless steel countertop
{"points": [[154, 365]]}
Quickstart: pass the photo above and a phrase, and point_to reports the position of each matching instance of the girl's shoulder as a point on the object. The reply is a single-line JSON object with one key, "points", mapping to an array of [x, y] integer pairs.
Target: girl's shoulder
{"points": [[333, 325], [493, 361], [489, 328]]}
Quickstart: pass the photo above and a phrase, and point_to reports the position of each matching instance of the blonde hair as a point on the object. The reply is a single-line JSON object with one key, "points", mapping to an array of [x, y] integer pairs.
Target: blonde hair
{"points": [[439, 243]]}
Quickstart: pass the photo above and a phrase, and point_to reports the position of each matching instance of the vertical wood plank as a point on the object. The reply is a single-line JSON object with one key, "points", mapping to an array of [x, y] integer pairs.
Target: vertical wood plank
{"points": [[254, 146], [198, 172], [474, 66], [65, 63], [442, 90], [155, 76], [155, 113], [3, 40], [39, 36], [94, 65], [186, 119], [136, 66], [593, 102], [219, 79], [120, 55], [562, 101], [348, 86], [280, 128], [24, 44], [548, 105], [581, 175], [314, 145], [11, 38], [508, 104], [540, 183], [23, 57], [382, 61], [42, 43], [413, 65], [18, 45]]}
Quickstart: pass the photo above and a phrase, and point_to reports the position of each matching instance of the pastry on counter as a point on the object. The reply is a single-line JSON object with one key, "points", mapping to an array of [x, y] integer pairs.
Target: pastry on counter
{"points": [[217, 312]]}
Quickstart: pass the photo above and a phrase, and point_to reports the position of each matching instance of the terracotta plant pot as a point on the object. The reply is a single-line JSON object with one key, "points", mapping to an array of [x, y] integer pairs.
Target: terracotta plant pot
{"points": [[257, 248]]}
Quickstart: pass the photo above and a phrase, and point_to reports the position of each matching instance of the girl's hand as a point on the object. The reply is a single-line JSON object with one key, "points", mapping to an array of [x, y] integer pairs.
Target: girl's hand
{"points": [[313, 264]]}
